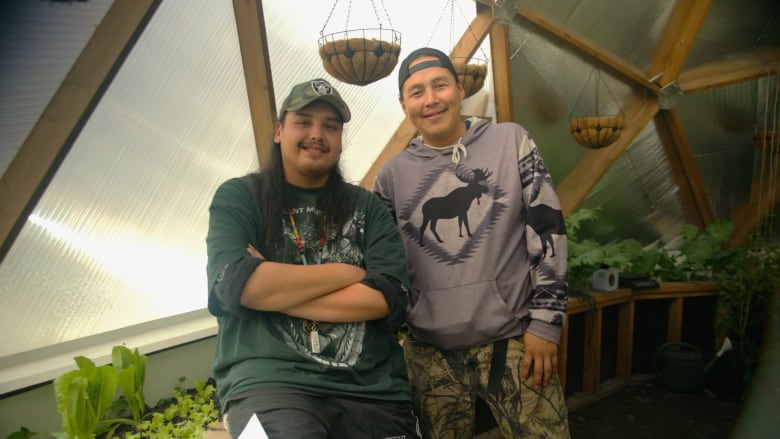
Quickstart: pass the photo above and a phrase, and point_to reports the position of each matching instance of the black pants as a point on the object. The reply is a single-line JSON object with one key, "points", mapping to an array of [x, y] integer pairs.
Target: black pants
{"points": [[294, 413]]}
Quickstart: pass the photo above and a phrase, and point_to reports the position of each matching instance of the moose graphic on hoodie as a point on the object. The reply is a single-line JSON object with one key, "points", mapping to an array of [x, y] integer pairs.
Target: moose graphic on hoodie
{"points": [[455, 204]]}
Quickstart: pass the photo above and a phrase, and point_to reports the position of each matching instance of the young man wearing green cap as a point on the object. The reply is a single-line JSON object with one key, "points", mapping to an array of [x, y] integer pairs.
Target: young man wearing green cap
{"points": [[487, 250], [308, 281]]}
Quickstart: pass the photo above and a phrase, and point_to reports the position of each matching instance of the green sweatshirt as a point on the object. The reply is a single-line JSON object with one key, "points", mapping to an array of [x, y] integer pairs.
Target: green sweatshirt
{"points": [[260, 349]]}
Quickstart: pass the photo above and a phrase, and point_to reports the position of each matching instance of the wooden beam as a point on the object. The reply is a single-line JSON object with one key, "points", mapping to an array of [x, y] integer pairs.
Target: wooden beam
{"points": [[625, 339], [591, 364], [253, 42], [590, 50], [52, 136], [764, 196], [684, 169], [466, 47], [681, 31], [501, 54], [397, 143], [595, 163], [674, 323], [736, 68]]}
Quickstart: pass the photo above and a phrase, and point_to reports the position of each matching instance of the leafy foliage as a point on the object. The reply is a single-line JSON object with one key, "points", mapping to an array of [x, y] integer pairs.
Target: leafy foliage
{"points": [[130, 368], [748, 284], [699, 256], [90, 408], [186, 414], [83, 396]]}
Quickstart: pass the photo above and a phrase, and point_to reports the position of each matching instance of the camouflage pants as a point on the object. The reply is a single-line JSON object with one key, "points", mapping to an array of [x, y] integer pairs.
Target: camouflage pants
{"points": [[446, 385]]}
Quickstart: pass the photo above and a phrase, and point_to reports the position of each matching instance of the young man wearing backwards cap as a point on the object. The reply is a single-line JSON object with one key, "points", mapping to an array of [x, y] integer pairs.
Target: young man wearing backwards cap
{"points": [[307, 277], [487, 250]]}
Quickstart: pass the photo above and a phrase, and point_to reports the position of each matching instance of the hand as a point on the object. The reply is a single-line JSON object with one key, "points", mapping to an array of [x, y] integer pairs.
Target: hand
{"points": [[541, 357], [253, 252]]}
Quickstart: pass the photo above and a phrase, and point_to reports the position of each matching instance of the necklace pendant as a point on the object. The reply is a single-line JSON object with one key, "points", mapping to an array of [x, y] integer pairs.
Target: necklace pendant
{"points": [[314, 339]]}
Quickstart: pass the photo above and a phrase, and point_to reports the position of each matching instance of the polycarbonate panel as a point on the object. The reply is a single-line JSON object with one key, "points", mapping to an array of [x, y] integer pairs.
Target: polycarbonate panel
{"points": [[721, 139], [631, 29], [118, 237], [638, 196], [734, 26], [39, 41]]}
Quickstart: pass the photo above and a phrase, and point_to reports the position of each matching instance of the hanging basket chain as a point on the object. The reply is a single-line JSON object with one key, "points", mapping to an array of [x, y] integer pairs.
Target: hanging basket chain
{"points": [[450, 5], [376, 14], [582, 92], [612, 95], [471, 30], [436, 26], [322, 31], [598, 80], [349, 11], [452, 20], [471, 76]]}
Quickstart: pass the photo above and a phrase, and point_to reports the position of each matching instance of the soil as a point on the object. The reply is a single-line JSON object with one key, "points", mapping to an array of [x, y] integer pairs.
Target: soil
{"points": [[645, 409], [738, 405]]}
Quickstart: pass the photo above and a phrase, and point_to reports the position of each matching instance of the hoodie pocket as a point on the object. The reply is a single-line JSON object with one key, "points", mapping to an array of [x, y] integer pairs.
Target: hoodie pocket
{"points": [[462, 316]]}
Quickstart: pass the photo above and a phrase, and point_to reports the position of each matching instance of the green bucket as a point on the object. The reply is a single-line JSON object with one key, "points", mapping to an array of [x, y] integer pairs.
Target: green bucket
{"points": [[680, 367]]}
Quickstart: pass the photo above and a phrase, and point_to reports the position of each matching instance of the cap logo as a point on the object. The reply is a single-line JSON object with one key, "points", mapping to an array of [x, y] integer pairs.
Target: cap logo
{"points": [[322, 87]]}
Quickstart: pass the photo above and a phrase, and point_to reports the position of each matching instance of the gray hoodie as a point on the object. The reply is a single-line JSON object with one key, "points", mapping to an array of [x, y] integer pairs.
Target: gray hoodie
{"points": [[484, 235]]}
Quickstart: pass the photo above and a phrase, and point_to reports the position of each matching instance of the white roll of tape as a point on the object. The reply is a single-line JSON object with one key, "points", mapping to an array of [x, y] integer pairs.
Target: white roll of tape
{"points": [[605, 279]]}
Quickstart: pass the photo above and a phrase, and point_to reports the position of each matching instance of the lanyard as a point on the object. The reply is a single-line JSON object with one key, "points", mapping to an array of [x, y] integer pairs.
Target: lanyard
{"points": [[299, 241], [310, 326]]}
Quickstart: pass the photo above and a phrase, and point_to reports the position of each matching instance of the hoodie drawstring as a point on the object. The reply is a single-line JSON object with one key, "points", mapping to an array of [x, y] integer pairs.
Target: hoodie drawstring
{"points": [[457, 149]]}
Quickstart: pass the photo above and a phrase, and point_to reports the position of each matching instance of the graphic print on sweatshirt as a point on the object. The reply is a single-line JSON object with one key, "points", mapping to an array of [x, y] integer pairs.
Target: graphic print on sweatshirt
{"points": [[340, 343], [450, 212]]}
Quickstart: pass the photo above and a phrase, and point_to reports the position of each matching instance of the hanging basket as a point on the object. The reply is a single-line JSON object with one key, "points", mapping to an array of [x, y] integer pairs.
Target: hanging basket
{"points": [[766, 139], [361, 56], [596, 131], [471, 73]]}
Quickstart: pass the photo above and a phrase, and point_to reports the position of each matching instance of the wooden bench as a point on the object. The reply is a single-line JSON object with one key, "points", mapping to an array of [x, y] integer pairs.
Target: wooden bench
{"points": [[625, 300]]}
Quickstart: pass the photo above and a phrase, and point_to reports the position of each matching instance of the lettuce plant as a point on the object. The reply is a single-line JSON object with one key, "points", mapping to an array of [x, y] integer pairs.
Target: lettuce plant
{"points": [[83, 396], [130, 367]]}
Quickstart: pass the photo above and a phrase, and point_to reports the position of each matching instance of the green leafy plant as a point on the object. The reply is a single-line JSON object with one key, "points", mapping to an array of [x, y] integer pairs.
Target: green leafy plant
{"points": [[699, 256], [130, 367], [588, 255], [749, 284], [91, 406], [703, 255], [83, 396], [187, 413]]}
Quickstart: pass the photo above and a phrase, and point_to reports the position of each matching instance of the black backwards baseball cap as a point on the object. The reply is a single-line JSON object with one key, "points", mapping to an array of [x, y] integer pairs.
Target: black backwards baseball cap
{"points": [[442, 60], [318, 89]]}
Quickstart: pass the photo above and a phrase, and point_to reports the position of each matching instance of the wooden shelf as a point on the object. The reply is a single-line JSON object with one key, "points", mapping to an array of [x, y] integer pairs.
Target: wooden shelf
{"points": [[593, 304]]}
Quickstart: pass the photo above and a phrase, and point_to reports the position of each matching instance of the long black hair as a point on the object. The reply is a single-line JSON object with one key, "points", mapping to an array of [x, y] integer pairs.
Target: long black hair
{"points": [[274, 199]]}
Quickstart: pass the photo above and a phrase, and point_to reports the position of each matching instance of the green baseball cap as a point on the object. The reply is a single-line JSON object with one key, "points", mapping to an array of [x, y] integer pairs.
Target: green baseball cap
{"points": [[318, 89]]}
